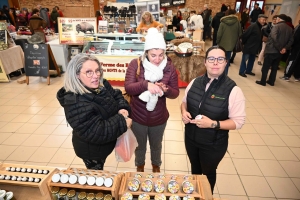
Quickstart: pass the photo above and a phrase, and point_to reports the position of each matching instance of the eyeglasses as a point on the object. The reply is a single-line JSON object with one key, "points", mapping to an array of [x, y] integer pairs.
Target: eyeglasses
{"points": [[89, 73], [220, 60]]}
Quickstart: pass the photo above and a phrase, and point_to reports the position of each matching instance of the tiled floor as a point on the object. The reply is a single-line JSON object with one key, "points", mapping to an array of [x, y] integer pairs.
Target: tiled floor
{"points": [[263, 159]]}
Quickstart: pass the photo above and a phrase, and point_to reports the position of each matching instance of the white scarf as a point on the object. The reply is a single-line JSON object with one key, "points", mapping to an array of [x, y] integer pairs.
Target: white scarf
{"points": [[152, 73]]}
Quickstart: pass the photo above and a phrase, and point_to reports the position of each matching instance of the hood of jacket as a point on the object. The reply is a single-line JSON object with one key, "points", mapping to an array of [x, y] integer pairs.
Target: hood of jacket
{"points": [[65, 98], [230, 20]]}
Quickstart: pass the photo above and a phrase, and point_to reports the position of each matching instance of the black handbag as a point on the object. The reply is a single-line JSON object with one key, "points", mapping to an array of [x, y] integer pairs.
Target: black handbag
{"points": [[238, 46]]}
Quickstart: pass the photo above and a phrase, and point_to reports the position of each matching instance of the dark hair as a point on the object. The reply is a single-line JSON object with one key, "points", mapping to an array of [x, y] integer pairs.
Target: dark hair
{"points": [[57, 7], [34, 11], [257, 4], [98, 14], [275, 17], [212, 48], [179, 12], [230, 12], [161, 15], [193, 11], [289, 19]]}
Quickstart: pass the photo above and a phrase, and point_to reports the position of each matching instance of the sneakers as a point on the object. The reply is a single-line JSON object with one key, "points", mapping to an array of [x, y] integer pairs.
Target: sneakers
{"points": [[259, 63], [285, 78]]}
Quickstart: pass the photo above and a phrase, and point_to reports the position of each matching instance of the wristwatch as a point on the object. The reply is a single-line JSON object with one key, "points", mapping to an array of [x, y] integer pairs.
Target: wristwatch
{"points": [[216, 126]]}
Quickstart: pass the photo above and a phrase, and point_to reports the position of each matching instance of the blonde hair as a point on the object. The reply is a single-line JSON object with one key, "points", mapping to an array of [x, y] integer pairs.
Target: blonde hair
{"points": [[71, 81], [149, 14]]}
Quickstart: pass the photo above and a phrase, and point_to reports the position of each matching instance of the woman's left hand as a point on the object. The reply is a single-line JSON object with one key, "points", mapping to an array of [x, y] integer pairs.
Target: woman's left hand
{"points": [[163, 86], [204, 122], [123, 112]]}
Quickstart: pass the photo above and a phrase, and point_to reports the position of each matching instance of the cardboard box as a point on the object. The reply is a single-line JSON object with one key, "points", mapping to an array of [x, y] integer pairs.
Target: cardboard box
{"points": [[197, 35]]}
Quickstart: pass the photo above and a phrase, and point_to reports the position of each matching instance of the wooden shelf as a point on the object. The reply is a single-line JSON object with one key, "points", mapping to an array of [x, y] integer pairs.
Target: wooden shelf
{"points": [[200, 190], [42, 185], [113, 190]]}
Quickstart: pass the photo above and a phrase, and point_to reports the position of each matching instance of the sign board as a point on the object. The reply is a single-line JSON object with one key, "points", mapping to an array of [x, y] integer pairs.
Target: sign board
{"points": [[165, 3], [178, 2], [3, 76], [36, 60], [73, 30], [115, 67]]}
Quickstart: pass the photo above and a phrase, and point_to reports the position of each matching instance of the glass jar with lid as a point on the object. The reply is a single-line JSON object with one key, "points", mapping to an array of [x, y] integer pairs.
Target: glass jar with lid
{"points": [[54, 193], [63, 194], [72, 195], [90, 196], [82, 196], [99, 196]]}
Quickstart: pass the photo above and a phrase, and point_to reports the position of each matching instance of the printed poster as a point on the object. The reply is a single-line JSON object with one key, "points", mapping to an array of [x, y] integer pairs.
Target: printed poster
{"points": [[115, 67], [75, 30], [3, 76]]}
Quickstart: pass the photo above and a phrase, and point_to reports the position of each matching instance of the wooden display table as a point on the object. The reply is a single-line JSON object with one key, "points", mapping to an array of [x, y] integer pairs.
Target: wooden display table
{"points": [[113, 190], [25, 189], [202, 189], [12, 59]]}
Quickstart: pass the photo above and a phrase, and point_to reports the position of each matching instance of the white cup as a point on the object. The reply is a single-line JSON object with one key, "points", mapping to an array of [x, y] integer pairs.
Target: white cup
{"points": [[91, 180], [64, 178], [73, 179], [100, 181], [109, 182], [55, 178], [82, 180]]}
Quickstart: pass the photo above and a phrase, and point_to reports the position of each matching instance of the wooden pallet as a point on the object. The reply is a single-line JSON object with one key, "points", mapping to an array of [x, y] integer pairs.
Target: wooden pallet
{"points": [[199, 191], [114, 190], [42, 185]]}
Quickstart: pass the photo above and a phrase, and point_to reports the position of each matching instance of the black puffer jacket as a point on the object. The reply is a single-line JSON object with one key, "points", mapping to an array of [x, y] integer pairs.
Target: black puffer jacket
{"points": [[95, 120], [252, 39]]}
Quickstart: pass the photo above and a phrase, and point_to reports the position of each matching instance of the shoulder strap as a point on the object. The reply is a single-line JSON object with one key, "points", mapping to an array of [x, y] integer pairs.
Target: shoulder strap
{"points": [[138, 69]]}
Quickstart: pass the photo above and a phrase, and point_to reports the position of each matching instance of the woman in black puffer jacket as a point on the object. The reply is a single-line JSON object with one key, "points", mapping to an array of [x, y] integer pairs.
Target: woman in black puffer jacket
{"points": [[97, 113]]}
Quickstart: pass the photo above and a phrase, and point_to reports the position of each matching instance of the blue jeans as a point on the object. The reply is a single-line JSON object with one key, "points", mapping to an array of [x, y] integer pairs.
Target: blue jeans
{"points": [[247, 68], [228, 55]]}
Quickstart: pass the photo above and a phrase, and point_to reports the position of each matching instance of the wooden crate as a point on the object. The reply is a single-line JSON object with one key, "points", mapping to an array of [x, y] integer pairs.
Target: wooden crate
{"points": [[199, 192], [114, 190], [21, 188]]}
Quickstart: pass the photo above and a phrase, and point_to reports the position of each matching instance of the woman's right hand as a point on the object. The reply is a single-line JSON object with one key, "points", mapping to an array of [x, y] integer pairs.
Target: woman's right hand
{"points": [[129, 122], [154, 89]]}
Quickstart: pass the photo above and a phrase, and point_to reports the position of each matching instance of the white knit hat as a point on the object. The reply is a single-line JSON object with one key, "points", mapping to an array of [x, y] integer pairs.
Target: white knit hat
{"points": [[154, 40]]}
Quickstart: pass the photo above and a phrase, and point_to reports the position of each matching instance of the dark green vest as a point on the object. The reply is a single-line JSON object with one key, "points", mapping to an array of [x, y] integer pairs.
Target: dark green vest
{"points": [[214, 104]]}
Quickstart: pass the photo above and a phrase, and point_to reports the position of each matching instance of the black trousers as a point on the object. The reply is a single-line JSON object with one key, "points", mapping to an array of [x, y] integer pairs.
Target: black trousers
{"points": [[205, 158], [94, 164], [271, 60]]}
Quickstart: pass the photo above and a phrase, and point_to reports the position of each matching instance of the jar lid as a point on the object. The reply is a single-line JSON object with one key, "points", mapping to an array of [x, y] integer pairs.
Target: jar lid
{"points": [[127, 196], [71, 193], [90, 196], [108, 182], [63, 191], [144, 196], [82, 195], [99, 196], [54, 189], [55, 178], [82, 180], [64, 178], [160, 197], [187, 187], [91, 180], [72, 179], [108, 197], [99, 181]]}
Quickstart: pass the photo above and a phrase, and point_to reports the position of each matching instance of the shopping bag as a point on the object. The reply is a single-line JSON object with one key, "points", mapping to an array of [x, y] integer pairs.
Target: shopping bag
{"points": [[125, 146], [238, 46]]}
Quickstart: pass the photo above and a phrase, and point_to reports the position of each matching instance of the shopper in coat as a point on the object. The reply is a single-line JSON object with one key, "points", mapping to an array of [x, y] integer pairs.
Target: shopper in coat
{"points": [[279, 41], [53, 18], [36, 23], [212, 105], [255, 12], [228, 33], [244, 18], [97, 113], [156, 82], [176, 20], [251, 40], [216, 22]]}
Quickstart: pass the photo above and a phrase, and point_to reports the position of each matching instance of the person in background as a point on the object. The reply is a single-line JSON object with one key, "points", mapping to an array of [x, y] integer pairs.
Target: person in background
{"points": [[13, 16], [228, 33], [6, 12], [162, 20], [176, 20], [21, 19], [53, 18], [97, 113], [244, 18], [206, 13], [251, 40], [59, 11], [279, 41], [212, 105], [293, 63], [3, 16], [216, 22], [266, 30], [196, 21], [148, 22], [98, 16], [156, 82], [255, 12], [44, 15], [36, 23]]}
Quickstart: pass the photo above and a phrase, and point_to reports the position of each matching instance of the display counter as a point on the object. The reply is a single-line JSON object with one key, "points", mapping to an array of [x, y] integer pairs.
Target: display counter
{"points": [[12, 59], [60, 52]]}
